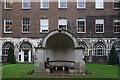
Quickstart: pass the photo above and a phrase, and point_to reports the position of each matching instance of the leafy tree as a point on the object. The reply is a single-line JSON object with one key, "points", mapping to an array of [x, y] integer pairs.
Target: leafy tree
{"points": [[113, 57], [11, 57]]}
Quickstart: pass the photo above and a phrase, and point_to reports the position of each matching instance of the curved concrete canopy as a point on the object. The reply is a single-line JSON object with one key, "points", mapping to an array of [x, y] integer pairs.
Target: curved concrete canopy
{"points": [[63, 34]]}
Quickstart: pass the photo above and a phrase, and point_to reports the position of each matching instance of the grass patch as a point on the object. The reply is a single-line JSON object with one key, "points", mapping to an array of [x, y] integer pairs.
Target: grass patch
{"points": [[100, 71], [21, 71], [18, 71]]}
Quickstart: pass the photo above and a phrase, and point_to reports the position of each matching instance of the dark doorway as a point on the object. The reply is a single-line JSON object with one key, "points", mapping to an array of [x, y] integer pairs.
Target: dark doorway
{"points": [[26, 55]]}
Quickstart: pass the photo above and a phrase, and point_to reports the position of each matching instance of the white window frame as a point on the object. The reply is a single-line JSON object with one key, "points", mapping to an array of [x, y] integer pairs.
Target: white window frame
{"points": [[99, 4], [10, 20], [42, 25], [99, 23], [5, 1], [101, 48], [116, 1], [60, 4], [82, 1], [26, 3], [116, 20], [6, 47], [27, 25], [42, 4], [84, 25], [64, 23]]}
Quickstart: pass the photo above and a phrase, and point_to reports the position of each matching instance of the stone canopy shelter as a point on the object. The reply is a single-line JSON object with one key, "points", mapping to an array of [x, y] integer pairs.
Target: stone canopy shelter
{"points": [[62, 48]]}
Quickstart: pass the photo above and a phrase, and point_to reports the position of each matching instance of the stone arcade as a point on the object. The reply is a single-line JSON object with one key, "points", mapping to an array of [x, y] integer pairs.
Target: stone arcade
{"points": [[63, 50]]}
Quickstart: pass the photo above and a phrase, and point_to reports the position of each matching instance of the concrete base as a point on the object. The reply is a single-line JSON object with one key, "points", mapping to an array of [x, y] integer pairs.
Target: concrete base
{"points": [[80, 67]]}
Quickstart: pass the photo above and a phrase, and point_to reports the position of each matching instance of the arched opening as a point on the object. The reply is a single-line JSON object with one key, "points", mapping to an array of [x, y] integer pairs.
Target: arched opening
{"points": [[100, 52], [60, 47], [5, 50], [25, 52]]}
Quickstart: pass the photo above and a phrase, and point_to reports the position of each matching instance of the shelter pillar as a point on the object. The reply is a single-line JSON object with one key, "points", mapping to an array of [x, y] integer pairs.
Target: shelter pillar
{"points": [[40, 59], [79, 63]]}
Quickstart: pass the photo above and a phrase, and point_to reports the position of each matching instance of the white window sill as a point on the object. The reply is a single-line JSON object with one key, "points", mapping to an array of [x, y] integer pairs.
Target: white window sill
{"points": [[8, 8], [99, 32], [117, 8], [81, 32], [116, 32], [25, 32], [44, 8], [62, 8], [26, 8], [8, 32], [44, 32], [100, 55], [81, 8], [99, 8]]}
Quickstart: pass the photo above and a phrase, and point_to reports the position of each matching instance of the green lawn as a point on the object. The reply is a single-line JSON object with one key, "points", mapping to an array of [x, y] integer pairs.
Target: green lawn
{"points": [[21, 70]]}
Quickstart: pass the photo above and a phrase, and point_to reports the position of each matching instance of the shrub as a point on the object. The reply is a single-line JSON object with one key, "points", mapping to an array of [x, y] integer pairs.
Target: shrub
{"points": [[30, 72], [113, 57], [11, 57]]}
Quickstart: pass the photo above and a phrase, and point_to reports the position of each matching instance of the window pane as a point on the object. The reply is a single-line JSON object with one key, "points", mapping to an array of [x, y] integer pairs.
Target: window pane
{"points": [[26, 24], [81, 3], [44, 25], [99, 3], [117, 4], [26, 4], [44, 3], [81, 25], [62, 23], [99, 25], [117, 25], [8, 4], [8, 25], [63, 3]]}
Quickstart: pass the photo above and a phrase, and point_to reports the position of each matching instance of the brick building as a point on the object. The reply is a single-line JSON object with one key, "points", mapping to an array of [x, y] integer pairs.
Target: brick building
{"points": [[25, 24]]}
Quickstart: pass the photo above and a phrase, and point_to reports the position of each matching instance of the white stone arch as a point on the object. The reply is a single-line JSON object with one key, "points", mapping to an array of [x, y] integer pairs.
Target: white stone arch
{"points": [[43, 44], [11, 44], [25, 40], [5, 49], [8, 40], [99, 45], [26, 50]]}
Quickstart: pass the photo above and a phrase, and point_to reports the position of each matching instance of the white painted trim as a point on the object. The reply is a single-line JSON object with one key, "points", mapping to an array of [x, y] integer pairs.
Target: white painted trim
{"points": [[66, 24], [61, 7], [5, 27], [25, 32], [26, 8], [81, 7], [84, 25], [40, 26], [96, 7], [41, 6], [5, 6], [103, 25]]}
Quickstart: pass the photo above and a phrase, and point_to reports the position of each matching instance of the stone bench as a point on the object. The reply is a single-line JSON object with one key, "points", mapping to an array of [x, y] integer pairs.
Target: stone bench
{"points": [[62, 65]]}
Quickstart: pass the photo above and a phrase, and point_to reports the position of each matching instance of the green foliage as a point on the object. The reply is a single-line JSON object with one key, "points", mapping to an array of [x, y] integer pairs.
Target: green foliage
{"points": [[11, 57], [113, 57]]}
